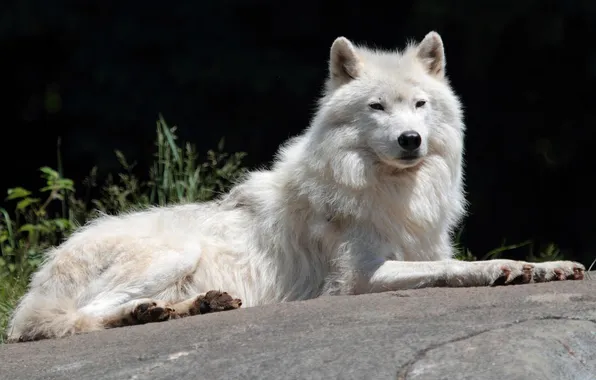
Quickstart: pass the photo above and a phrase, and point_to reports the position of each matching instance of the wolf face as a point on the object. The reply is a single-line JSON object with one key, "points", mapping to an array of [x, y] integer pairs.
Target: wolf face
{"points": [[389, 108]]}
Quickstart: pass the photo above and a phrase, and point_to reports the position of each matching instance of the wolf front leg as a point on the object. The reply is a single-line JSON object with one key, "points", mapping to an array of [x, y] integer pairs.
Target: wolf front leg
{"points": [[399, 275]]}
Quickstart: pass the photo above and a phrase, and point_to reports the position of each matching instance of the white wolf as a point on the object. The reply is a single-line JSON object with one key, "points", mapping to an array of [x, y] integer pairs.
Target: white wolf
{"points": [[363, 201]]}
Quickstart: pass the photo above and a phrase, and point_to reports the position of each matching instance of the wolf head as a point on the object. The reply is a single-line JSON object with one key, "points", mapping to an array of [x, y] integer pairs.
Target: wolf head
{"points": [[386, 108]]}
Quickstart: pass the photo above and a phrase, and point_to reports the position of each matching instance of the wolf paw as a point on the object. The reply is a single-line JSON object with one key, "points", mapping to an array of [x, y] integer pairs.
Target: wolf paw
{"points": [[148, 312], [520, 272], [558, 271], [514, 273], [214, 301]]}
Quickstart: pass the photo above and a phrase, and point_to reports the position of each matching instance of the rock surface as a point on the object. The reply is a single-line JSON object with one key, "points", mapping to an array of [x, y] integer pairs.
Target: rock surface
{"points": [[538, 331]]}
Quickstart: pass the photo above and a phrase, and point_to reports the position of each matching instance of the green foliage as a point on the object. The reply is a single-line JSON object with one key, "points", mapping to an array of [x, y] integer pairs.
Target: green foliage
{"points": [[28, 226], [11, 289], [548, 253], [176, 176], [23, 239]]}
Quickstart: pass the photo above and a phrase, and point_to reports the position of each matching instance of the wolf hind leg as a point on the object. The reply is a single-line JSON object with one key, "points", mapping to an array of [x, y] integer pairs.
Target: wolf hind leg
{"points": [[138, 312], [211, 302], [147, 310]]}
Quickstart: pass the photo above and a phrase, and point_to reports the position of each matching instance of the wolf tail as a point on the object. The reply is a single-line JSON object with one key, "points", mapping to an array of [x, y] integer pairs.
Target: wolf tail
{"points": [[39, 316]]}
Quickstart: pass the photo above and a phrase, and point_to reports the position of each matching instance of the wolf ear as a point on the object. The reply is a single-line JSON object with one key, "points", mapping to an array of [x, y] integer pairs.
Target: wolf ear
{"points": [[432, 54], [344, 63]]}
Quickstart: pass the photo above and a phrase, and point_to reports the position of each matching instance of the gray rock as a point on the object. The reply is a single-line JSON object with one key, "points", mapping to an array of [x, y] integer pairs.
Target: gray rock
{"points": [[538, 331]]}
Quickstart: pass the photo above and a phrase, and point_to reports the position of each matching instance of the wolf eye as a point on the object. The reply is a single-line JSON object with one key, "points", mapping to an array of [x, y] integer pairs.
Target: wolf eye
{"points": [[377, 106], [420, 103]]}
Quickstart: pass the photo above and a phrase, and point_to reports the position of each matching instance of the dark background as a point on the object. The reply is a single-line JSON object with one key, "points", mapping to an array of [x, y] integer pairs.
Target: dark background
{"points": [[97, 73]]}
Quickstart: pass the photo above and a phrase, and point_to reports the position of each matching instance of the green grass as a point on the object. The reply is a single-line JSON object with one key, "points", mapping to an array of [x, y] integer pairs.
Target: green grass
{"points": [[549, 252], [11, 289]]}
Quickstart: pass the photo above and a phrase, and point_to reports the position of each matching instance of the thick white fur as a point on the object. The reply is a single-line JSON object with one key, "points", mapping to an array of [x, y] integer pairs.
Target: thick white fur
{"points": [[338, 213]]}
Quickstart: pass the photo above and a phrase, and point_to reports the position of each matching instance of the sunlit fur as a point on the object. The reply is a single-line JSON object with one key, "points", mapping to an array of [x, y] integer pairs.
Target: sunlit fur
{"points": [[338, 213]]}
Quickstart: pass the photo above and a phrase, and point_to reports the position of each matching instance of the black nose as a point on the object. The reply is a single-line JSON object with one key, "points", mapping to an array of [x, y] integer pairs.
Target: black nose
{"points": [[409, 141]]}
